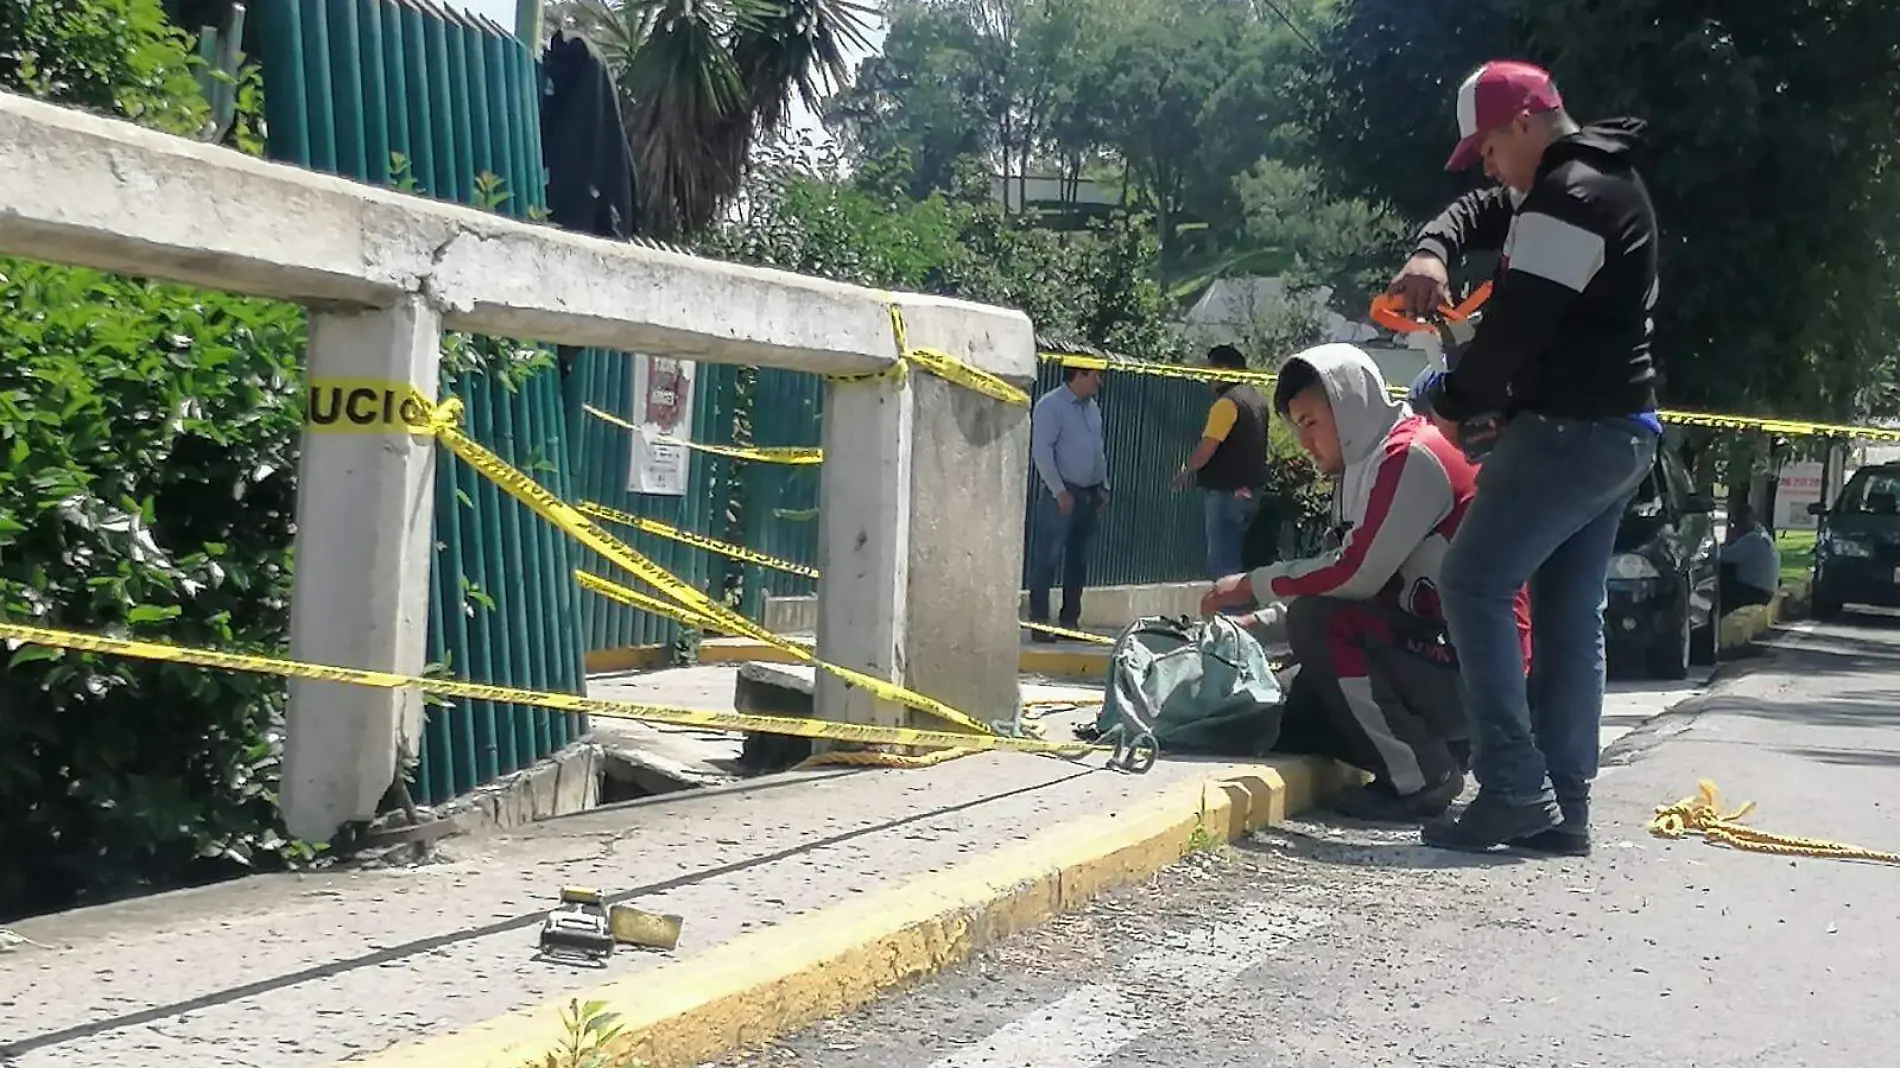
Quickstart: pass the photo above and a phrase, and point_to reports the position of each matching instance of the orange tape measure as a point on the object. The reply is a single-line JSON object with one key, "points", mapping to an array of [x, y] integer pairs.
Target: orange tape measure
{"points": [[1388, 311]]}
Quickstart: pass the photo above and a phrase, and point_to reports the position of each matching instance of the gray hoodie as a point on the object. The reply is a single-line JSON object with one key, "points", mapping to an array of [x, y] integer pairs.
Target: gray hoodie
{"points": [[1400, 498]]}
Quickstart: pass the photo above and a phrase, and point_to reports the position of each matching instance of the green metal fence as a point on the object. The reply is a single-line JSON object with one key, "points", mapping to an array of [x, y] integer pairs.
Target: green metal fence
{"points": [[390, 92], [1150, 534], [605, 454], [780, 501]]}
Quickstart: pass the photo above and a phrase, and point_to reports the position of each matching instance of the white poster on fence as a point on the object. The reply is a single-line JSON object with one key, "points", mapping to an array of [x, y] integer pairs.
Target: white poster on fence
{"points": [[663, 409], [1798, 486]]}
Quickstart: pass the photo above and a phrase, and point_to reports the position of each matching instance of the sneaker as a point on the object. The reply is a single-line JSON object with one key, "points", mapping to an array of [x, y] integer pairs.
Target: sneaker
{"points": [[1379, 803], [1487, 823], [1556, 842]]}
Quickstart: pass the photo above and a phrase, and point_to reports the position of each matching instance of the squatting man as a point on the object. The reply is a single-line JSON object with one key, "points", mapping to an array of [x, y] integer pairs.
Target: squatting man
{"points": [[1377, 685]]}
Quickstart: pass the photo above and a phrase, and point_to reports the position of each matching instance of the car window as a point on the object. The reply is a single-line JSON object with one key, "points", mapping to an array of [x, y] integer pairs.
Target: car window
{"points": [[1872, 493]]}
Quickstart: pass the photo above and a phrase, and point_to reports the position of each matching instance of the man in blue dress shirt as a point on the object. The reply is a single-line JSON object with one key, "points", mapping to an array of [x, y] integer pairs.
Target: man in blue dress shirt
{"points": [[1070, 456]]}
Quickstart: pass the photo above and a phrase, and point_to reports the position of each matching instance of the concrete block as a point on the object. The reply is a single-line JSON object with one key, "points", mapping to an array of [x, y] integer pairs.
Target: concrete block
{"points": [[936, 471], [365, 509]]}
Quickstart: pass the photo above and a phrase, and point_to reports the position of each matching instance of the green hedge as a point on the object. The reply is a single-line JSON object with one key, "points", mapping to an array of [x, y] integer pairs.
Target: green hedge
{"points": [[150, 437]]}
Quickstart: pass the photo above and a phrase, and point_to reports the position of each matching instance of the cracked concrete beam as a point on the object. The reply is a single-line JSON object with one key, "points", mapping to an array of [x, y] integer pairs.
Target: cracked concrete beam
{"points": [[80, 189]]}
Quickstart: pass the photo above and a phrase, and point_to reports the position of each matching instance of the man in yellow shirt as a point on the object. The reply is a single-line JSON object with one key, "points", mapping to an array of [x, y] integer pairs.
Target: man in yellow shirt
{"points": [[1229, 465]]}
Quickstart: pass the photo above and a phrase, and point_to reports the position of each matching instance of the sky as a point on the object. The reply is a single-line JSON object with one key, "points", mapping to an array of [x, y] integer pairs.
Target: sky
{"points": [[803, 121]]}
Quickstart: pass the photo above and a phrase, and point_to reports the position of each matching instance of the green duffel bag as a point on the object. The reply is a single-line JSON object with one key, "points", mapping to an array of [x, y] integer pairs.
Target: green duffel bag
{"points": [[1201, 687]]}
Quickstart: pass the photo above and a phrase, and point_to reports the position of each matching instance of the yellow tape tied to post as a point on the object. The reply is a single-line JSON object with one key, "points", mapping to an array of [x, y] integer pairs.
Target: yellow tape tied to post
{"points": [[570, 521]]}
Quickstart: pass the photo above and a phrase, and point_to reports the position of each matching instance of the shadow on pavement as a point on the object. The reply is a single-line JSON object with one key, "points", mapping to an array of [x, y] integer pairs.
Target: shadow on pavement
{"points": [[1360, 845]]}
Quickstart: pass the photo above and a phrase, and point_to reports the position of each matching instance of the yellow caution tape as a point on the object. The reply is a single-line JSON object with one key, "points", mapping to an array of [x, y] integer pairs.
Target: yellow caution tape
{"points": [[561, 702], [635, 599], [575, 525], [941, 364], [698, 541], [1191, 372], [1788, 427], [1702, 815], [363, 406], [771, 454], [951, 369], [1064, 632]]}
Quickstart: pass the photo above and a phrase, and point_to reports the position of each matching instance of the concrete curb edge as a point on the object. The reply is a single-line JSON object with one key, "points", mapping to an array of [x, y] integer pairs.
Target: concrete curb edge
{"points": [[818, 964]]}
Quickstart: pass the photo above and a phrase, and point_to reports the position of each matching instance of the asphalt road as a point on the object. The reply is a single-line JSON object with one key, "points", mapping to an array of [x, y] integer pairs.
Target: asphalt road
{"points": [[1330, 944]]}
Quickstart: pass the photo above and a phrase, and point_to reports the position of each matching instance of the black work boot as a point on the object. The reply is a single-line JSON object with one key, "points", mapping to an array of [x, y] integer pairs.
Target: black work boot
{"points": [[1377, 802], [1487, 823], [1571, 839]]}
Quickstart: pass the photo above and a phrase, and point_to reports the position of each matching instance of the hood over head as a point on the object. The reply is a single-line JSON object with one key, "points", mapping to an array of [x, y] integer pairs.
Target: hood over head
{"points": [[1364, 412]]}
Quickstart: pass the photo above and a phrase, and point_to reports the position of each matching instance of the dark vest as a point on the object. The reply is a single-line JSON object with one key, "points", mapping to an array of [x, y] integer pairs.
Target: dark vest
{"points": [[1241, 461]]}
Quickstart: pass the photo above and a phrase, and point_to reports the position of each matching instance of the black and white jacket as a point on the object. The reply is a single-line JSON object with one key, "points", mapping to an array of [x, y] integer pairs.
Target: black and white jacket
{"points": [[1567, 329]]}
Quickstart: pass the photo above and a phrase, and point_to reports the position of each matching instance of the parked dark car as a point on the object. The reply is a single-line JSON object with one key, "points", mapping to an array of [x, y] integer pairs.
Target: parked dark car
{"points": [[1857, 544], [1662, 613]]}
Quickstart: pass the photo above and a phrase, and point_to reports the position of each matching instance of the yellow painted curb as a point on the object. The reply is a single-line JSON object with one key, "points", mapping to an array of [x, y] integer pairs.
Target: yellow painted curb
{"points": [[741, 651], [1745, 624], [766, 983], [633, 658], [1090, 664]]}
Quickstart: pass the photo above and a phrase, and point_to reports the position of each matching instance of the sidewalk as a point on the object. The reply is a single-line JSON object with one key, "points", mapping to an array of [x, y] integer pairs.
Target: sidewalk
{"points": [[802, 894]]}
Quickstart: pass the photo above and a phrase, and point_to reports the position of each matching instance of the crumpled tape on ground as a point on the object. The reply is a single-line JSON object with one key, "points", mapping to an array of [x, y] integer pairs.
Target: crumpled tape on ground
{"points": [[443, 422], [560, 702], [1702, 815]]}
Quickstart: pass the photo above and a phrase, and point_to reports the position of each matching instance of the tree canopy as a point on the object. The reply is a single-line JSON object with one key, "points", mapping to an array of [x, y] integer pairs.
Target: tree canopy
{"points": [[1166, 106], [1770, 159]]}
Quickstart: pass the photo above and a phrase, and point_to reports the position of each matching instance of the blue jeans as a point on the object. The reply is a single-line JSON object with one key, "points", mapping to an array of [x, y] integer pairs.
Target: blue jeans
{"points": [[1057, 540], [1227, 519], [1550, 497]]}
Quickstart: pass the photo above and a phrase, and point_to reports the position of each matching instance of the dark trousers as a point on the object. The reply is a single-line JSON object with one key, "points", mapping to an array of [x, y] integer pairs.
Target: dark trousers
{"points": [[1378, 689], [1061, 541]]}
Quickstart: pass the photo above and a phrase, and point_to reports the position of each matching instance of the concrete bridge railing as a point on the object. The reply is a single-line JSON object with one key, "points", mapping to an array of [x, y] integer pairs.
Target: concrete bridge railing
{"points": [[921, 528]]}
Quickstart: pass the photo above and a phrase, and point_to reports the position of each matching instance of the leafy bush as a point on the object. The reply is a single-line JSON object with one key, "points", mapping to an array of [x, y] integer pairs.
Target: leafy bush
{"points": [[117, 57], [149, 436], [150, 439]]}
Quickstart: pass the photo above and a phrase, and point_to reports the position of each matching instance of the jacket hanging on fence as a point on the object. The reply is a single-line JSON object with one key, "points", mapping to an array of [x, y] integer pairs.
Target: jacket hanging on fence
{"points": [[584, 148], [583, 145]]}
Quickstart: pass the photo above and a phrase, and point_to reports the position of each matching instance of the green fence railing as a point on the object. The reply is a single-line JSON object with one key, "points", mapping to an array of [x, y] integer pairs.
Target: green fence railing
{"points": [[604, 454]]}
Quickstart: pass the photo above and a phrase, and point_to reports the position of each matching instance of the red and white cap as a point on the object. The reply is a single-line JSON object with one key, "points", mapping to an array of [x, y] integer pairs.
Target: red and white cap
{"points": [[1495, 94]]}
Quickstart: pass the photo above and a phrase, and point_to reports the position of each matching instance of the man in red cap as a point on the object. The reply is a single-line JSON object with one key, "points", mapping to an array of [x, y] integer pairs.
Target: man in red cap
{"points": [[1556, 391]]}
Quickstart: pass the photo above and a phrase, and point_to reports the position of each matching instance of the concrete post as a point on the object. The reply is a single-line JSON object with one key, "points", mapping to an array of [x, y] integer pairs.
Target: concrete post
{"points": [[864, 543], [365, 515], [921, 524]]}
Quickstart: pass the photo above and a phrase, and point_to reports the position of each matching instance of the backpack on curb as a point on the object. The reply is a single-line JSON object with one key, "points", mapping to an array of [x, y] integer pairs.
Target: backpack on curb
{"points": [[1189, 686]]}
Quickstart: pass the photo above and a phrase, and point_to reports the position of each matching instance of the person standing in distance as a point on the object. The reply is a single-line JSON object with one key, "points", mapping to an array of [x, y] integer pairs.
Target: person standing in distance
{"points": [[1556, 392], [1229, 462], [1070, 456]]}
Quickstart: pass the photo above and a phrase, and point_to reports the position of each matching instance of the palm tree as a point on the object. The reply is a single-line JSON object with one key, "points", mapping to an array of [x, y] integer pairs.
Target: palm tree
{"points": [[701, 80]]}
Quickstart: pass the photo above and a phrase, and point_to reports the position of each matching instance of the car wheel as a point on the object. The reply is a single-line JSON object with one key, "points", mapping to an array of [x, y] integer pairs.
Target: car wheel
{"points": [[1668, 659], [1704, 643]]}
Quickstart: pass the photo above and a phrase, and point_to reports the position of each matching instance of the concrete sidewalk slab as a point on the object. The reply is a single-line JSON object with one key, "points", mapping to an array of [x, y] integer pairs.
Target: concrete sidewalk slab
{"points": [[289, 971]]}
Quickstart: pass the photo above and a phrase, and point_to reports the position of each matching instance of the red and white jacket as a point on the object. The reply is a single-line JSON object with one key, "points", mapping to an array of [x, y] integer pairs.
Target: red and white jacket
{"points": [[1403, 492]]}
